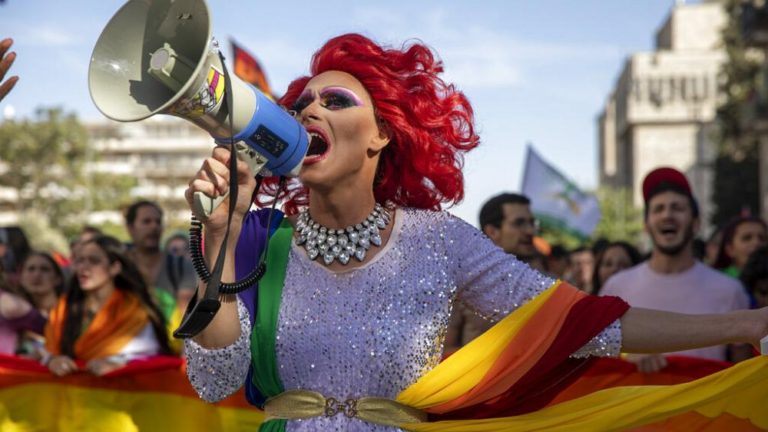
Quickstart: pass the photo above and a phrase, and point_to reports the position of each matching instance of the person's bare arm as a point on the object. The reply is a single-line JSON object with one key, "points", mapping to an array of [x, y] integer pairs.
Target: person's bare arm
{"points": [[13, 306], [652, 331], [5, 63]]}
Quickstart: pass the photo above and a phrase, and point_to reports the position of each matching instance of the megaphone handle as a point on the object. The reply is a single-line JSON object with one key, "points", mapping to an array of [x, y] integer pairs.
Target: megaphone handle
{"points": [[205, 205]]}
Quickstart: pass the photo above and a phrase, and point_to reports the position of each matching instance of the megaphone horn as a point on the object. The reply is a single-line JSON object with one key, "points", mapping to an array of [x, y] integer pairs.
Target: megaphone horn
{"points": [[173, 67]]}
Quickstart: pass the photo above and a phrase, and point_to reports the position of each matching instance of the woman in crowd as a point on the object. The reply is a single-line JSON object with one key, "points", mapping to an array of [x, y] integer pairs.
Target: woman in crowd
{"points": [[106, 317], [364, 269], [614, 258], [41, 282], [741, 237], [754, 276]]}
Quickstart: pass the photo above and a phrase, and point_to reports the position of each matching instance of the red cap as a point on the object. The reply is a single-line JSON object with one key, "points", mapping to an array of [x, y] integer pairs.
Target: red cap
{"points": [[664, 175]]}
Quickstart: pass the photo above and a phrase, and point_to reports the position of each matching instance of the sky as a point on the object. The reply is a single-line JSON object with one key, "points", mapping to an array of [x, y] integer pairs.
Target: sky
{"points": [[536, 72]]}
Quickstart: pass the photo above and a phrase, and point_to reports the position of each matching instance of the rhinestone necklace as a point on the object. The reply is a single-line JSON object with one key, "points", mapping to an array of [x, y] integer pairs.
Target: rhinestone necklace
{"points": [[341, 244]]}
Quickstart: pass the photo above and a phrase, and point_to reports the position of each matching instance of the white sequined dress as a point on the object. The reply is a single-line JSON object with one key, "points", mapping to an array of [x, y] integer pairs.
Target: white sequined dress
{"points": [[374, 330]]}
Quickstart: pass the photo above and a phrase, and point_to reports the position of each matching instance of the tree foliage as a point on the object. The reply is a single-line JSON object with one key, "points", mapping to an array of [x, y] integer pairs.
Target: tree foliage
{"points": [[736, 166], [44, 160], [620, 219]]}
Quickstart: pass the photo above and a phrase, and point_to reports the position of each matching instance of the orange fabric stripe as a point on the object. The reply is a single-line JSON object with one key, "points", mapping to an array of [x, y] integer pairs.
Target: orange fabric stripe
{"points": [[523, 352], [121, 318]]}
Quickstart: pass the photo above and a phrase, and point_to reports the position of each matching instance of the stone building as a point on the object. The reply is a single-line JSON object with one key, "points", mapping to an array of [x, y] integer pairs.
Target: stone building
{"points": [[662, 109]]}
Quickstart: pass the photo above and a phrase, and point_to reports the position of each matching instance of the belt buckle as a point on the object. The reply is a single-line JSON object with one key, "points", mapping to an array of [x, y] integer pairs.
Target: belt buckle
{"points": [[334, 406]]}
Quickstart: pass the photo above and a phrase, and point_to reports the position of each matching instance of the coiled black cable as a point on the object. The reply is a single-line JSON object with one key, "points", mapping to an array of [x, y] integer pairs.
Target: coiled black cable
{"points": [[198, 261]]}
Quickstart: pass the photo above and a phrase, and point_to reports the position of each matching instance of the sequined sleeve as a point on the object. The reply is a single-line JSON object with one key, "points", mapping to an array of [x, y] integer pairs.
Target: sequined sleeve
{"points": [[493, 283], [490, 282], [217, 373], [606, 344]]}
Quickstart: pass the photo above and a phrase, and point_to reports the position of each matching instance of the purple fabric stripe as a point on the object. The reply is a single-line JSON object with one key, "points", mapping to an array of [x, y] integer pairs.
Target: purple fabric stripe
{"points": [[251, 243]]}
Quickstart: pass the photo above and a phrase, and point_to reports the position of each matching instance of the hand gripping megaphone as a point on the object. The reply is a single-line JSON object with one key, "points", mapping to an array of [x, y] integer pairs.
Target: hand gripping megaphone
{"points": [[158, 57]]}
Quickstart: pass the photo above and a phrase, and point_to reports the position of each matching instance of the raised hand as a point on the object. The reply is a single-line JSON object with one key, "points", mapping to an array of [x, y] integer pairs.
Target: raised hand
{"points": [[5, 63]]}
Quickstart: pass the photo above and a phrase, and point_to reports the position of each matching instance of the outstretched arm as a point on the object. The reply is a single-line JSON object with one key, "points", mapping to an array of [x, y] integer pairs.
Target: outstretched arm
{"points": [[5, 63], [652, 331]]}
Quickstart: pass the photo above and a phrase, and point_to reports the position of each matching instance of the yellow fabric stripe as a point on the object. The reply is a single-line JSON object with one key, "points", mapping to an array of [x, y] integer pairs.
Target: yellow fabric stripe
{"points": [[460, 372], [741, 390], [54, 407]]}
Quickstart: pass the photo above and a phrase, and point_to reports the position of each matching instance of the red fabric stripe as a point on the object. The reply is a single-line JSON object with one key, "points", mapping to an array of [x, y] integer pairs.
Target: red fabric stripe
{"points": [[555, 371], [154, 374]]}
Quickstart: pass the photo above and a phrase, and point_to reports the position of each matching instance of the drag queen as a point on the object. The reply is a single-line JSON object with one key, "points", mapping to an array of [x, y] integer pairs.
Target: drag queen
{"points": [[345, 331]]}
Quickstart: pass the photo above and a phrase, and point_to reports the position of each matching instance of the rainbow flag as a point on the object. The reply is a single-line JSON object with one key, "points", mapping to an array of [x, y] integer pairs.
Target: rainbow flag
{"points": [[146, 395]]}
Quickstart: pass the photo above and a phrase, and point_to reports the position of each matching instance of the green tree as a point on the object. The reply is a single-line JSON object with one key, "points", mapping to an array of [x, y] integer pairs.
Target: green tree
{"points": [[44, 161], [736, 166], [620, 219]]}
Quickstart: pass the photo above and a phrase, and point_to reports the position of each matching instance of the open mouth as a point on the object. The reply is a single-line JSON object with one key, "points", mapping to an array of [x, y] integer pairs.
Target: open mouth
{"points": [[668, 231], [318, 146]]}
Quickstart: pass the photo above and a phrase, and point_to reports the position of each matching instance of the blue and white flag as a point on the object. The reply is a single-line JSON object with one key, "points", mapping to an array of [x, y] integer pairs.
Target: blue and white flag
{"points": [[557, 201]]}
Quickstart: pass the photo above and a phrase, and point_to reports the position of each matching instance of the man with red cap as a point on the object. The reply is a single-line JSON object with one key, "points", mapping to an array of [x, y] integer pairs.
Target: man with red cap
{"points": [[672, 279]]}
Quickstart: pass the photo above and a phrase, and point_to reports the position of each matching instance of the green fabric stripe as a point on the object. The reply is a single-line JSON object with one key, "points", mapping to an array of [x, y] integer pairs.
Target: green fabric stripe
{"points": [[277, 425], [265, 375]]}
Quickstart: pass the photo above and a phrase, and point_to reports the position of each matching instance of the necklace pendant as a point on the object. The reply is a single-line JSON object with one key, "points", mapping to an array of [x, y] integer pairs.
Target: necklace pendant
{"points": [[360, 254]]}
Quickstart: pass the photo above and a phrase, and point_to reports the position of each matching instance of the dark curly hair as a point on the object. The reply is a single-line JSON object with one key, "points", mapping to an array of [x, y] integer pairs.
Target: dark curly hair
{"points": [[429, 122]]}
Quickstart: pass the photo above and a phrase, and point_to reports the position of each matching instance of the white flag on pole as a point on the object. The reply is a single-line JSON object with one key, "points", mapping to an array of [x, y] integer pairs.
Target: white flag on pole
{"points": [[557, 201]]}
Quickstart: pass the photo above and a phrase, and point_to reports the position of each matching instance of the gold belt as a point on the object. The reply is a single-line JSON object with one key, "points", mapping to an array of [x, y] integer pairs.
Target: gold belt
{"points": [[300, 404]]}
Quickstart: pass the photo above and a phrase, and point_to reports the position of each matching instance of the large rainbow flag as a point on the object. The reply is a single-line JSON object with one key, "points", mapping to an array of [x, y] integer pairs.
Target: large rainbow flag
{"points": [[154, 395], [146, 395]]}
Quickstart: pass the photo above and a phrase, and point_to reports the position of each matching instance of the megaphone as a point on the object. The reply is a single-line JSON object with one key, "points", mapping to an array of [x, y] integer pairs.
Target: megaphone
{"points": [[158, 57]]}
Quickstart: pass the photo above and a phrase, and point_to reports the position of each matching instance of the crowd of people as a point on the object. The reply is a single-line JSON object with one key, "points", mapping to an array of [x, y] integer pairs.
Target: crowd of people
{"points": [[674, 275], [388, 137], [107, 303]]}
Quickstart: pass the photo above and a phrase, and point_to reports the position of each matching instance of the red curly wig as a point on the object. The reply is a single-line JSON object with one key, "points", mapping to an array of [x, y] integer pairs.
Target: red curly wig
{"points": [[429, 122]]}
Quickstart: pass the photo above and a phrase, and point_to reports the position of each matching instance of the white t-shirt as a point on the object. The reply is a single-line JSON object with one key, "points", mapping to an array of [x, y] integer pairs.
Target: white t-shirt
{"points": [[698, 290]]}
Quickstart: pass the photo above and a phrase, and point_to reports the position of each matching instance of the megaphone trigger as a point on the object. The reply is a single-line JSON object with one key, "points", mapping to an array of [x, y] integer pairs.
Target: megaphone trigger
{"points": [[204, 204]]}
